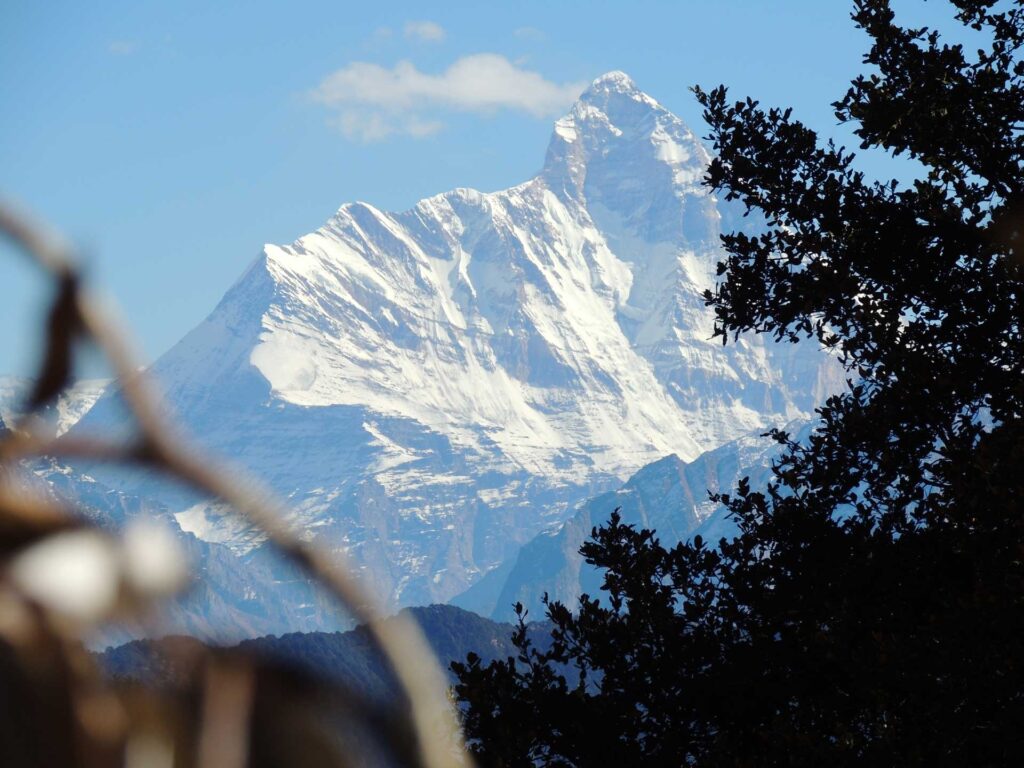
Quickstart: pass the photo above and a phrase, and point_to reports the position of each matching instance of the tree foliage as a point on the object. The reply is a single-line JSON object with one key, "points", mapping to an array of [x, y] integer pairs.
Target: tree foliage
{"points": [[868, 609]]}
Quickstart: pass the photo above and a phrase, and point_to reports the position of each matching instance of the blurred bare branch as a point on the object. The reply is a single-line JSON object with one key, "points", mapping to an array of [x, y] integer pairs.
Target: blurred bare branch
{"points": [[76, 318]]}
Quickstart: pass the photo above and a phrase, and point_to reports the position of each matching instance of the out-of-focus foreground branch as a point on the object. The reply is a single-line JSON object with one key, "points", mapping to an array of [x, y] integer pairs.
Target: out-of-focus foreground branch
{"points": [[217, 718]]}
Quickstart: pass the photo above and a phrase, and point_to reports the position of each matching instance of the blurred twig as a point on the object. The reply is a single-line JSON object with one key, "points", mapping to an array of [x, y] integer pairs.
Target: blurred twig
{"points": [[76, 318]]}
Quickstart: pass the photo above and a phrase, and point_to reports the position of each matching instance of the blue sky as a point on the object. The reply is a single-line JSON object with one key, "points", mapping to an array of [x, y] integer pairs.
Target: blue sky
{"points": [[170, 141]]}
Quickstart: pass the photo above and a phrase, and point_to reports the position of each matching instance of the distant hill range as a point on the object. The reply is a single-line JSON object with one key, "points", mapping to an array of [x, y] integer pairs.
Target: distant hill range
{"points": [[345, 657]]}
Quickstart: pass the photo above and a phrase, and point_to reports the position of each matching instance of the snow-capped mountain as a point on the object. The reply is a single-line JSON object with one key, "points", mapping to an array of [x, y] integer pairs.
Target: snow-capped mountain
{"points": [[431, 389]]}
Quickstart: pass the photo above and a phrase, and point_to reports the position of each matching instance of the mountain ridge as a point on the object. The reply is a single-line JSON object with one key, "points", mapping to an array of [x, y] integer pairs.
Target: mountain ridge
{"points": [[669, 496]]}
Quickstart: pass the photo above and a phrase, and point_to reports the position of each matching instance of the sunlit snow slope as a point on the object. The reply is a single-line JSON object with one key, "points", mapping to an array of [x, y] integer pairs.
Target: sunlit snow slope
{"points": [[61, 415], [432, 388]]}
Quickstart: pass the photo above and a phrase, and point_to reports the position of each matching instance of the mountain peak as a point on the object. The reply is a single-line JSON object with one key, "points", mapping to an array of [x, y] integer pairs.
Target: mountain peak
{"points": [[615, 80], [613, 92], [616, 140]]}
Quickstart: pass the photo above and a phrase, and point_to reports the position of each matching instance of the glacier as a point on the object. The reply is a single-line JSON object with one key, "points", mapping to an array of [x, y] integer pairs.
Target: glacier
{"points": [[431, 389]]}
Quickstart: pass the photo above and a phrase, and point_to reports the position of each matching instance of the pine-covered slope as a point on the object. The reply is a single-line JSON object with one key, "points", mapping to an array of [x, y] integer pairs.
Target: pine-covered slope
{"points": [[433, 388]]}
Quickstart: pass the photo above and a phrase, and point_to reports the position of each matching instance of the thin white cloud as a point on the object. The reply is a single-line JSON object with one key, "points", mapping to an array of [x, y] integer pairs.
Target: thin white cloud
{"points": [[427, 31], [529, 33], [374, 102], [123, 47], [378, 39], [367, 127]]}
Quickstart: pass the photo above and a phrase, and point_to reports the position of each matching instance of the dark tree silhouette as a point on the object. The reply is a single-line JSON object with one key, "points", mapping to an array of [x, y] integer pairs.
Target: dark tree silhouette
{"points": [[869, 609]]}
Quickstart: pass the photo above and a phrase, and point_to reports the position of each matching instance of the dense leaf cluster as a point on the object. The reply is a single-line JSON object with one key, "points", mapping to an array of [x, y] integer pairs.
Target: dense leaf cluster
{"points": [[868, 611]]}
